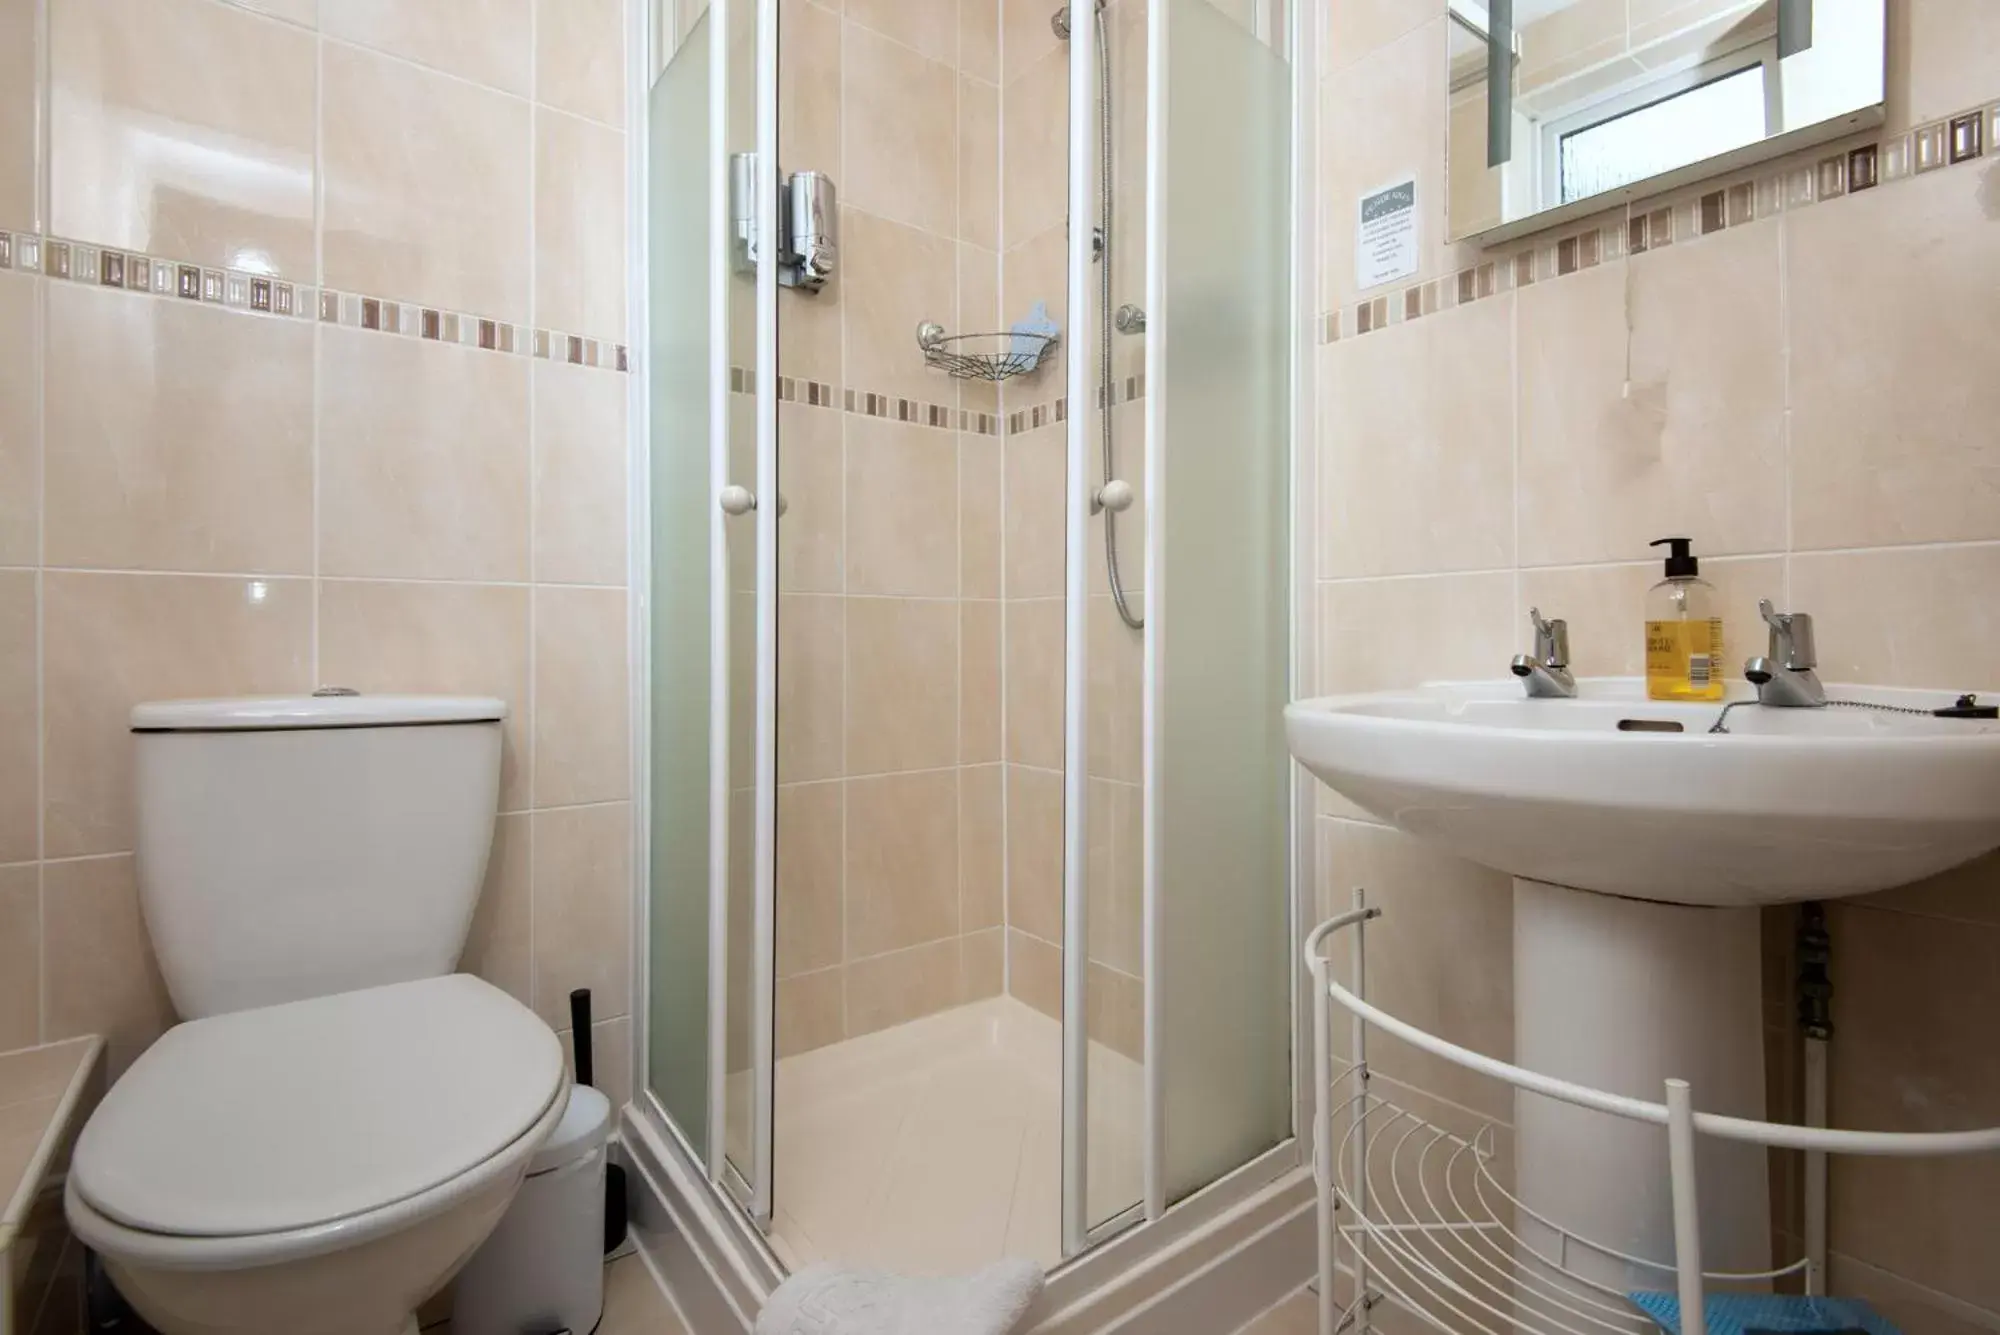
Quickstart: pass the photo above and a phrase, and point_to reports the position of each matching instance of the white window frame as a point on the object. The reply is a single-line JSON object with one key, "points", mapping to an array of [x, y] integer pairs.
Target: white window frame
{"points": [[1649, 90]]}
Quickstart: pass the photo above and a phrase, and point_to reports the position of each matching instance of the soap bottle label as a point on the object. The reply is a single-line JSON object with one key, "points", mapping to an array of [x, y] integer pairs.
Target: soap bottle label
{"points": [[1684, 659]]}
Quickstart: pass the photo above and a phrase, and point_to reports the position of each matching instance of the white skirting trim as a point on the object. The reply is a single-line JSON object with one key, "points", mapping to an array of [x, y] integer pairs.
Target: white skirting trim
{"points": [[1210, 1264]]}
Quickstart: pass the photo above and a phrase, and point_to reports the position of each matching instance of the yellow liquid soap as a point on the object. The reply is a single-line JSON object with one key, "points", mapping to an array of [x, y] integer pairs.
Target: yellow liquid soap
{"points": [[1684, 639]]}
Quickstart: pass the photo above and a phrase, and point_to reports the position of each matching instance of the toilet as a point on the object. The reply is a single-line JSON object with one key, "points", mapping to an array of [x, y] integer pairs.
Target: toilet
{"points": [[340, 1120]]}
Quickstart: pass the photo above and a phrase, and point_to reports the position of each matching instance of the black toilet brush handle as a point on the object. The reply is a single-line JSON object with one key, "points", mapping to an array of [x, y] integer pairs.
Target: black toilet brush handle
{"points": [[579, 1034]]}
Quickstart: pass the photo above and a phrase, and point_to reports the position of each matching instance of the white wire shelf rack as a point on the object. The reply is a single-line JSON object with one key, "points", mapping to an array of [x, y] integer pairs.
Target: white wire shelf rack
{"points": [[1420, 1215]]}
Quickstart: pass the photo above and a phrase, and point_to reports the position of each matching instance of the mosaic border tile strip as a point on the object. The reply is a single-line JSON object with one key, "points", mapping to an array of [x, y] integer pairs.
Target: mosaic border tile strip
{"points": [[261, 294], [1129, 390], [869, 403], [1965, 137]]}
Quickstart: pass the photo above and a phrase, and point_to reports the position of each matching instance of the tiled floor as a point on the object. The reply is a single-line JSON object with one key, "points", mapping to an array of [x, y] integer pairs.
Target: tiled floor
{"points": [[633, 1303], [936, 1146]]}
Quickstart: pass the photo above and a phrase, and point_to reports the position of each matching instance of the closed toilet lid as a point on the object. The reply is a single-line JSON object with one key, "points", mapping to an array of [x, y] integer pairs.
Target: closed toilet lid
{"points": [[268, 1120]]}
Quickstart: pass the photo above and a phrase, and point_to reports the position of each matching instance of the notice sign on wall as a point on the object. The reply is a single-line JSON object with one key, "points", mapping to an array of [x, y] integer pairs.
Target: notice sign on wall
{"points": [[1386, 237]]}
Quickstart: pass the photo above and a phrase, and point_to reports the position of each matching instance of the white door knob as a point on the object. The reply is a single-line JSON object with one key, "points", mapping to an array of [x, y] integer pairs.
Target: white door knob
{"points": [[1115, 496], [737, 500]]}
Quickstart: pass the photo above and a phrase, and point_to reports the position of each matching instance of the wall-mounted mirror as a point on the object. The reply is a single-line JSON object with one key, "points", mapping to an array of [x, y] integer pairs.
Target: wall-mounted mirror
{"points": [[1560, 108]]}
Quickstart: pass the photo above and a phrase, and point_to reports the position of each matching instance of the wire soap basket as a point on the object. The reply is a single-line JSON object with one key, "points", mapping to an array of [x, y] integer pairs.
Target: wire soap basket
{"points": [[983, 356]]}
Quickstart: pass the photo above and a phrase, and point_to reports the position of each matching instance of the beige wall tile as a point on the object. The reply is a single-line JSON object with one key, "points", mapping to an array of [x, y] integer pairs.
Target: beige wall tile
{"points": [[1354, 28], [1910, 993], [897, 278], [1901, 1303], [902, 684], [1117, 899], [811, 902], [203, 458], [583, 909], [811, 1011], [812, 526], [20, 430], [441, 217], [579, 225], [1117, 692], [486, 41], [902, 508], [1914, 617], [982, 868], [1416, 461], [452, 639], [1035, 129], [139, 120], [1390, 107], [18, 120], [102, 977], [1667, 434], [982, 960], [979, 39], [979, 736], [1441, 957], [20, 956], [891, 989], [1025, 37], [20, 763], [302, 12], [1037, 513], [979, 163], [1606, 610], [500, 946], [423, 469], [111, 641], [900, 147], [1033, 680], [902, 861], [582, 751], [812, 675], [580, 470], [1445, 628], [929, 26], [1875, 459], [1940, 58], [1115, 1011], [1035, 852], [809, 119], [979, 516], [1969, 893], [580, 57], [1034, 973]]}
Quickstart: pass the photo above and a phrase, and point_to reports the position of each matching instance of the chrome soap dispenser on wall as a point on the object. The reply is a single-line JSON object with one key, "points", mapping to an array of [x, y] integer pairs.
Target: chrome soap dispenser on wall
{"points": [[808, 224]]}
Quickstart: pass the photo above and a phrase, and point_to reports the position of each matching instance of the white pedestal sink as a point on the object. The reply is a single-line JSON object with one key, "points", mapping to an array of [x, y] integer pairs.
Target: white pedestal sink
{"points": [[1642, 846]]}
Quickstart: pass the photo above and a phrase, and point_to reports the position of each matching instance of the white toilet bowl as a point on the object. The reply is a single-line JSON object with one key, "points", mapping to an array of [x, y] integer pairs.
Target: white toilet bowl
{"points": [[320, 1167]]}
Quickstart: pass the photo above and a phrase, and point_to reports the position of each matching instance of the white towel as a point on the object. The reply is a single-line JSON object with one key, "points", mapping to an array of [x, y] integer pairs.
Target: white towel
{"points": [[841, 1300]]}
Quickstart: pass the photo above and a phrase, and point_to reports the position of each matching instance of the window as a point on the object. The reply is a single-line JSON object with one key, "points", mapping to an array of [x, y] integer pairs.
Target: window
{"points": [[1659, 126]]}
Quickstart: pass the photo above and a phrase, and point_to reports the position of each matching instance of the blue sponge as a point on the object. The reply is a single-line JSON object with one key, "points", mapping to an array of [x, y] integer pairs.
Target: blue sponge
{"points": [[1738, 1313]]}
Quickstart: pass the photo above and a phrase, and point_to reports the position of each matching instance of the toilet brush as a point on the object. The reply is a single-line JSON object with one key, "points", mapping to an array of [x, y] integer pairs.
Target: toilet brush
{"points": [[614, 1173]]}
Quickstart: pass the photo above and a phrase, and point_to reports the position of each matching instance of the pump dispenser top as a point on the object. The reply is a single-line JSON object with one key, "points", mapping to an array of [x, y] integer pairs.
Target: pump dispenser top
{"points": [[1684, 639]]}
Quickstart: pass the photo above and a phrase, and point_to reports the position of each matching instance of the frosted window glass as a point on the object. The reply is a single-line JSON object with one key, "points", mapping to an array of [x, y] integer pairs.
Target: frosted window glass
{"points": [[1687, 127]]}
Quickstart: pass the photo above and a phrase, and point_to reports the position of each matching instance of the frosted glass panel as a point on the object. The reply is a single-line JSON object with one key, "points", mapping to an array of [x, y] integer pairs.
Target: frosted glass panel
{"points": [[679, 257], [1223, 599]]}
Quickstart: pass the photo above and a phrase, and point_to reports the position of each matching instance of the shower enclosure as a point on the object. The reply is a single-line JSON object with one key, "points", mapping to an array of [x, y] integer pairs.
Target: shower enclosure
{"points": [[971, 861]]}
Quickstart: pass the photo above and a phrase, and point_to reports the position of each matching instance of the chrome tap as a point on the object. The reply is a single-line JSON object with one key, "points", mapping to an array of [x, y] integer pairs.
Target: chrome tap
{"points": [[1784, 677], [1546, 674]]}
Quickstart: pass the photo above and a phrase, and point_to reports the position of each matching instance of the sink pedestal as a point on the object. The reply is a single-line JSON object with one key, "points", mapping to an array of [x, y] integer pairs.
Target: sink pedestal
{"points": [[1619, 995]]}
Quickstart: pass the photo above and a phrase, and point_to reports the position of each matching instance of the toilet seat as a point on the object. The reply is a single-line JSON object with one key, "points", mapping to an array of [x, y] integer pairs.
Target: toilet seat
{"points": [[317, 1123]]}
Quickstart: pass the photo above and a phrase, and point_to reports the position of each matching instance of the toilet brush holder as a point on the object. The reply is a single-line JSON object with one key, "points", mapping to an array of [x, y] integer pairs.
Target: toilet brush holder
{"points": [[581, 1043]]}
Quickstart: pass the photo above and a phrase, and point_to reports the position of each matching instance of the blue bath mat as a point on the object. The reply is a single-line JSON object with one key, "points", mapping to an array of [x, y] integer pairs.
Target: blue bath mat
{"points": [[1741, 1313]]}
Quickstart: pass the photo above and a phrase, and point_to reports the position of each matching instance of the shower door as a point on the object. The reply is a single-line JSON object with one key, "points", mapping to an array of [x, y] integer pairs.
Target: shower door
{"points": [[712, 672]]}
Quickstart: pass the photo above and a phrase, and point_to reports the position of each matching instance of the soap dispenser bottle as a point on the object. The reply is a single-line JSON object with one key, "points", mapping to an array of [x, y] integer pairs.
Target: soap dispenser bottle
{"points": [[1683, 630]]}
